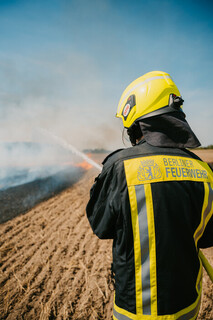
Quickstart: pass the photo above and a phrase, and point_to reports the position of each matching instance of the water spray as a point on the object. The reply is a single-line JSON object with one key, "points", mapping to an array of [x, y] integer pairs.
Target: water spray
{"points": [[70, 147]]}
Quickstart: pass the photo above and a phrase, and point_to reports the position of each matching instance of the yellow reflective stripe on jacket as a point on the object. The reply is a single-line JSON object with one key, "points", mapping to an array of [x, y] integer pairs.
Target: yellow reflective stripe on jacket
{"points": [[152, 248], [189, 313], [137, 249], [206, 264], [199, 277], [144, 248], [207, 211], [166, 168]]}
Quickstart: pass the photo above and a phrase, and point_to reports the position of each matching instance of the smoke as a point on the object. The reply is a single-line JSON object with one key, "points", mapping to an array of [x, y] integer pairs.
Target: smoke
{"points": [[64, 93], [60, 92], [23, 162], [21, 198], [47, 80], [71, 148], [31, 172]]}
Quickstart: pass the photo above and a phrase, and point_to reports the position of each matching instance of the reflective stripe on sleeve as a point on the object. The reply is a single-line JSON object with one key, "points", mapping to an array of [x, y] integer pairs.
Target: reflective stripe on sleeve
{"points": [[206, 211]]}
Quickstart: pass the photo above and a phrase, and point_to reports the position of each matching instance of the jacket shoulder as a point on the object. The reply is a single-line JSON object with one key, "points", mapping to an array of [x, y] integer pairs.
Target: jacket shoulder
{"points": [[111, 155]]}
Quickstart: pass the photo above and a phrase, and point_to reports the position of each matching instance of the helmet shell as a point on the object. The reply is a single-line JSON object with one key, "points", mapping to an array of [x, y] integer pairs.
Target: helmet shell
{"points": [[146, 95]]}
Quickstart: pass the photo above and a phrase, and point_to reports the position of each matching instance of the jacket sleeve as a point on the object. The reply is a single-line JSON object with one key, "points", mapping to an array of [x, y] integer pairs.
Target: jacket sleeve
{"points": [[100, 209], [206, 240]]}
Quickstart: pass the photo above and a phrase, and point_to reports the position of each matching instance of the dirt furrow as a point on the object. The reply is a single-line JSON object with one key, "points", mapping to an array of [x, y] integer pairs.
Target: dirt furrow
{"points": [[40, 267], [35, 238]]}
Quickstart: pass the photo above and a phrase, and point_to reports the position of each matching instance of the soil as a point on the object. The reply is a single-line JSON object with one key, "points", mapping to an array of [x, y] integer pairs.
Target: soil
{"points": [[52, 266]]}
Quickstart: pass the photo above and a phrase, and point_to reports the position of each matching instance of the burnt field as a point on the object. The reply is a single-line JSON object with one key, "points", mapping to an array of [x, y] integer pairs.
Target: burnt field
{"points": [[51, 264], [21, 198]]}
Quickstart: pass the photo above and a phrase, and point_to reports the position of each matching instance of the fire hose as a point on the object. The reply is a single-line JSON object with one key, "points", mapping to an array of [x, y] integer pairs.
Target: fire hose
{"points": [[68, 146]]}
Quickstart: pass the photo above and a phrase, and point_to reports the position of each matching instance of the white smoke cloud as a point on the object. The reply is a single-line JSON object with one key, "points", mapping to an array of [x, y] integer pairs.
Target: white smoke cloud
{"points": [[63, 93]]}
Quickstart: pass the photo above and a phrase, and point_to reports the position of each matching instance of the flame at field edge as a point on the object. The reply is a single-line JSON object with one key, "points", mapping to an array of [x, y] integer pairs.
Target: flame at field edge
{"points": [[85, 165]]}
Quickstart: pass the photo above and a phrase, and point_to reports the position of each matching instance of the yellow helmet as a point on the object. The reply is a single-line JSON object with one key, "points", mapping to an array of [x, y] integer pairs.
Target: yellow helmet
{"points": [[152, 94]]}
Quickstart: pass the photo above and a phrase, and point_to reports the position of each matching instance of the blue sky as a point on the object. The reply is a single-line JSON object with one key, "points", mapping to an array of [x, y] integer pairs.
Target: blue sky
{"points": [[64, 64]]}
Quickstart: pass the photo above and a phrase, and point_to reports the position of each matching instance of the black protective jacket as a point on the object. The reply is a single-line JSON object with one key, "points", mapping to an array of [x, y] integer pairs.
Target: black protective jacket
{"points": [[156, 203]]}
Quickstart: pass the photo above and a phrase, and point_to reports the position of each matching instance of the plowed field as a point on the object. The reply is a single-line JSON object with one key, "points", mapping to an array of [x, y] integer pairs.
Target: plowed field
{"points": [[53, 267]]}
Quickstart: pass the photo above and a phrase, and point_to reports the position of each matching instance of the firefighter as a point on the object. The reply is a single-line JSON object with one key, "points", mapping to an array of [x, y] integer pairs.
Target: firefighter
{"points": [[154, 200]]}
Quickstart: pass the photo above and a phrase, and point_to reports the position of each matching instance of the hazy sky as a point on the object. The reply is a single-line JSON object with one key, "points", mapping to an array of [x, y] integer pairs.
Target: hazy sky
{"points": [[64, 64]]}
